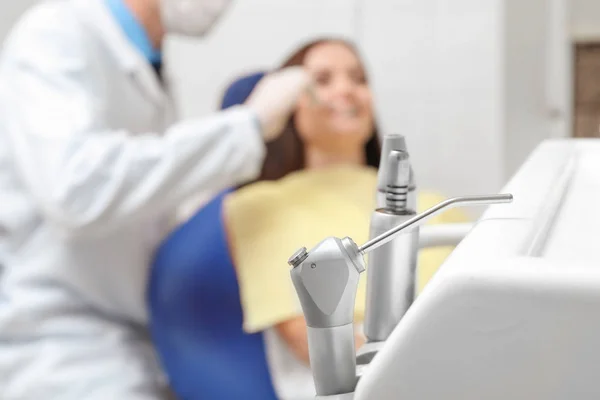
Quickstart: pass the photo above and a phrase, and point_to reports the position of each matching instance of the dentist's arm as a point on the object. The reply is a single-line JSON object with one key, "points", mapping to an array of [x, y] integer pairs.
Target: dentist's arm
{"points": [[87, 175]]}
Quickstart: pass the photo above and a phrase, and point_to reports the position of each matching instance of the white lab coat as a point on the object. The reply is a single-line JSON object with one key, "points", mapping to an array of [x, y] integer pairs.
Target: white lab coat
{"points": [[90, 167]]}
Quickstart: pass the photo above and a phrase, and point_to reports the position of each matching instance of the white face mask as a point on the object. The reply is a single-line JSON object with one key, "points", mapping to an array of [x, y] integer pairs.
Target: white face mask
{"points": [[191, 17]]}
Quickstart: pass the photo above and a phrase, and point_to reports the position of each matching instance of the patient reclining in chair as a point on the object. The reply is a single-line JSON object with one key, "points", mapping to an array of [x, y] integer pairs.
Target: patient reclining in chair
{"points": [[319, 179]]}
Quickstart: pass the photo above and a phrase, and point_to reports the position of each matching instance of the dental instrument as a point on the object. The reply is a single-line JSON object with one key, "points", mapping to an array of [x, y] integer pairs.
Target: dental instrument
{"points": [[326, 278]]}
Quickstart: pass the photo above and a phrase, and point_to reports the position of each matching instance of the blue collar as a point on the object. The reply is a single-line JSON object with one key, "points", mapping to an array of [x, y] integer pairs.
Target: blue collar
{"points": [[134, 31]]}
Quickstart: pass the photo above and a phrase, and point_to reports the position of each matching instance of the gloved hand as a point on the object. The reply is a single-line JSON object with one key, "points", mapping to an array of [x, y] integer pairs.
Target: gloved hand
{"points": [[275, 98]]}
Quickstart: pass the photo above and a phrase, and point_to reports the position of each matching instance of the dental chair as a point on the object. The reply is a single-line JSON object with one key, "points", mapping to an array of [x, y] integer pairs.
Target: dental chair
{"points": [[195, 309]]}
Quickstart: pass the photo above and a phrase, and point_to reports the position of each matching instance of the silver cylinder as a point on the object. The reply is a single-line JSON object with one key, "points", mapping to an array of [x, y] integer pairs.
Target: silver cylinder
{"points": [[333, 359], [391, 276]]}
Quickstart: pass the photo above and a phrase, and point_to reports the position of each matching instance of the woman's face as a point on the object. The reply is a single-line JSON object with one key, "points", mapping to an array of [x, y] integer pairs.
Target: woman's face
{"points": [[347, 121]]}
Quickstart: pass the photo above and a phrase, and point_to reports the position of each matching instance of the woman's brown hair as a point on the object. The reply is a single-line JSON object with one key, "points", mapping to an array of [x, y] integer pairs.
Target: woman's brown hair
{"points": [[286, 154]]}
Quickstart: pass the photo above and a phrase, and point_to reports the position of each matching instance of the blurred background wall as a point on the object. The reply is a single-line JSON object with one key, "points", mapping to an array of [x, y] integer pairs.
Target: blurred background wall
{"points": [[473, 84]]}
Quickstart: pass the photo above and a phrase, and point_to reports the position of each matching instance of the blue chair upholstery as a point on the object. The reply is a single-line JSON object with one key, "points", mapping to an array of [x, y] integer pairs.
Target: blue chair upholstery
{"points": [[195, 308], [240, 90]]}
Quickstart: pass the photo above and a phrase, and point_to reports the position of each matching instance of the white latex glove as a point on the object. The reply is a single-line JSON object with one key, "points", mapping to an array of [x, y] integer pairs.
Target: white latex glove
{"points": [[275, 97]]}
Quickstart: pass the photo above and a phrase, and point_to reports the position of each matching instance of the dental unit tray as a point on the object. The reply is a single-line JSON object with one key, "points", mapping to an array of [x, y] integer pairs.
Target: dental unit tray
{"points": [[326, 277], [511, 314]]}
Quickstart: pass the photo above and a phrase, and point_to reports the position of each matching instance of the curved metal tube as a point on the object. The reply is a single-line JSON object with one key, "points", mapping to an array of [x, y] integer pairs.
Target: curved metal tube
{"points": [[423, 217]]}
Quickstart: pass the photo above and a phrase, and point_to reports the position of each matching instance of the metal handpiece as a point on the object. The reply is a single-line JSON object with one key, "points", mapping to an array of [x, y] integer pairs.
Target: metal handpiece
{"points": [[326, 280], [391, 281], [423, 217]]}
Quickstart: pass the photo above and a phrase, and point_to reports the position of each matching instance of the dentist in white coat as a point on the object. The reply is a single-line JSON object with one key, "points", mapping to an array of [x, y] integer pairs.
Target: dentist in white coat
{"points": [[92, 164]]}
